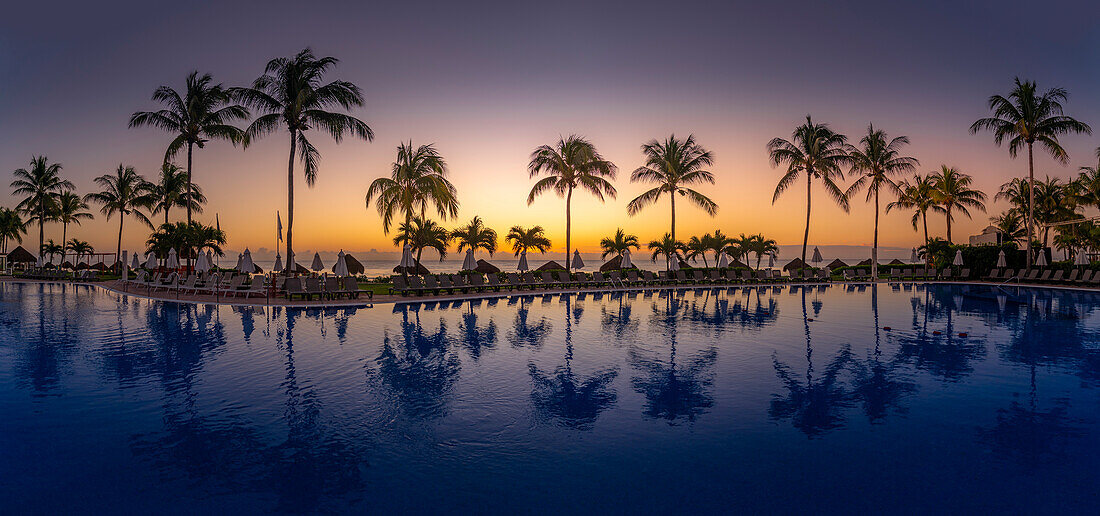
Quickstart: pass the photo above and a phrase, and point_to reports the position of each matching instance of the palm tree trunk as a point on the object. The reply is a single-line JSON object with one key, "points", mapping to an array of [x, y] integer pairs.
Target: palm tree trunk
{"points": [[949, 225], [64, 235], [290, 205], [672, 197], [874, 245], [568, 225], [1030, 201], [41, 227], [118, 250], [188, 251], [806, 235], [924, 220]]}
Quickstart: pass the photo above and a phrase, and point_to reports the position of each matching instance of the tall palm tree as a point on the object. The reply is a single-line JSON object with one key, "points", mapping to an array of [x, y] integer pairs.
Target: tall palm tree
{"points": [[423, 234], [291, 93], [476, 236], [919, 196], [875, 161], [571, 163], [12, 227], [170, 191], [204, 112], [418, 179], [1027, 117], [525, 239], [124, 193], [953, 193], [674, 165], [666, 247], [618, 244], [816, 152], [39, 186], [738, 248], [70, 210]]}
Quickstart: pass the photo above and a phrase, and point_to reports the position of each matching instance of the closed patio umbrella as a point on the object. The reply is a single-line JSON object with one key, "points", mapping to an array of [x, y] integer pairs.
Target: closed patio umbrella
{"points": [[317, 266], [278, 263], [173, 260], [626, 260], [958, 261], [136, 264], [407, 261], [41, 262], [577, 263], [914, 258], [247, 266], [723, 261], [674, 264], [522, 266], [201, 265], [341, 267], [1041, 261], [817, 256], [771, 260], [353, 265], [210, 259], [1001, 263], [151, 261], [468, 263], [1082, 259], [240, 260]]}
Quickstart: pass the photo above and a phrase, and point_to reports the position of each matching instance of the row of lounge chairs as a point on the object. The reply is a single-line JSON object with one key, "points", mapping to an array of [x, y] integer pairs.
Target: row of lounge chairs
{"points": [[462, 283], [61, 274], [209, 283], [946, 274], [329, 288], [1075, 277]]}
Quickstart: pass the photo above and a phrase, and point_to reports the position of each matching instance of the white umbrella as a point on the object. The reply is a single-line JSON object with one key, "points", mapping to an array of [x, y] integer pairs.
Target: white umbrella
{"points": [[1041, 261], [674, 263], [407, 258], [173, 261], [771, 260], [958, 258], [136, 263], [41, 262], [1001, 262], [317, 266], [578, 263], [723, 261], [247, 267], [210, 259], [341, 267], [913, 257], [151, 262], [522, 267], [201, 265], [1081, 259], [278, 263], [468, 263], [817, 256]]}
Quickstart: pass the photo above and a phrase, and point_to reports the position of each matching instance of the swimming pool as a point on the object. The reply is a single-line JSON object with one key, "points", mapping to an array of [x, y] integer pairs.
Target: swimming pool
{"points": [[778, 399]]}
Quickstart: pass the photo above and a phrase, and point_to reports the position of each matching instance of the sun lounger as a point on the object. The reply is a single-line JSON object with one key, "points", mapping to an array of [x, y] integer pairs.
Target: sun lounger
{"points": [[1073, 274], [1085, 277], [1058, 275], [946, 274], [256, 287], [431, 284], [293, 287], [493, 282], [477, 281], [528, 280], [964, 274], [350, 288], [189, 284], [170, 283], [313, 287], [208, 286]]}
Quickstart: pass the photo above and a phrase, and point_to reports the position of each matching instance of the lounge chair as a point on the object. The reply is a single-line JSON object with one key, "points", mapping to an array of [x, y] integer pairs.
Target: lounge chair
{"points": [[493, 282], [313, 287], [1085, 277], [1072, 278], [416, 284], [946, 274], [528, 280], [1058, 275], [208, 285], [964, 275], [431, 284], [189, 284], [351, 288], [256, 287], [993, 275], [477, 281], [170, 283], [547, 281], [293, 287]]}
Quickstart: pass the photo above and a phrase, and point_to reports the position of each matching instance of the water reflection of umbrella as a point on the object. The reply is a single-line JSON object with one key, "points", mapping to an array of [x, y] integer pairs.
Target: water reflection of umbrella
{"points": [[522, 265]]}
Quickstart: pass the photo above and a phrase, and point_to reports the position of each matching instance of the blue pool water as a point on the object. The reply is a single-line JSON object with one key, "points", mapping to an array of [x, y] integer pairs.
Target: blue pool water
{"points": [[783, 399]]}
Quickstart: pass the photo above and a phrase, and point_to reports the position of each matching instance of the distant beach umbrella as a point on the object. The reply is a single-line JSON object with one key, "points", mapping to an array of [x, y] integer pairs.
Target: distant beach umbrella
{"points": [[958, 258], [913, 257], [247, 266], [201, 265], [626, 264], [151, 261], [407, 261], [41, 262], [173, 260], [278, 262], [522, 266], [341, 267], [1001, 262], [317, 266], [817, 256], [1082, 259], [771, 260], [674, 264], [469, 263], [723, 261], [578, 263], [240, 260], [135, 263], [1042, 260]]}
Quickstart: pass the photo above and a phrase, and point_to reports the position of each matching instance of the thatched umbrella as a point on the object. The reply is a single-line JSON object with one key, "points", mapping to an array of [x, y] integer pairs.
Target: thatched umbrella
{"points": [[99, 267], [613, 264], [896, 261], [299, 269], [20, 255], [82, 266], [836, 264], [795, 264], [485, 267], [865, 262], [354, 267], [418, 269], [67, 265], [550, 266]]}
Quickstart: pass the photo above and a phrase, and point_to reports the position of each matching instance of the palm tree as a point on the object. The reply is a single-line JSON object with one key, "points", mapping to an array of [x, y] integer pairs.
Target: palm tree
{"points": [[1088, 183], [526, 239], [1055, 201], [476, 236], [618, 244], [572, 163], [423, 234], [12, 227], [697, 247], [418, 179], [50, 249], [875, 161], [817, 152], [204, 112], [1009, 224], [79, 248], [181, 235], [291, 93], [760, 246], [674, 165], [39, 185], [171, 192], [738, 248], [125, 193], [718, 243], [70, 210], [953, 193], [919, 196], [666, 247], [1024, 118]]}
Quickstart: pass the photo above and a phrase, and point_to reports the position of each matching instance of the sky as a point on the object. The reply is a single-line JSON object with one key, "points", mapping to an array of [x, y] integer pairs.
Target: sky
{"points": [[489, 82]]}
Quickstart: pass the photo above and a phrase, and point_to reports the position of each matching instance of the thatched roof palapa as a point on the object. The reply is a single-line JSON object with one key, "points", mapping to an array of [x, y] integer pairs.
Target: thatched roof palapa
{"points": [[896, 261], [836, 264], [67, 265], [354, 267], [795, 264], [485, 267], [865, 262], [734, 264], [418, 269], [615, 264], [550, 266], [20, 255]]}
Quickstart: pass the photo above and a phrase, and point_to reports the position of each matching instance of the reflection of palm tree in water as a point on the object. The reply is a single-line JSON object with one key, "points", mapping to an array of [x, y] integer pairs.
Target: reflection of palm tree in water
{"points": [[876, 382], [947, 356], [418, 367], [814, 407], [673, 392], [524, 333], [565, 398], [475, 338], [617, 321]]}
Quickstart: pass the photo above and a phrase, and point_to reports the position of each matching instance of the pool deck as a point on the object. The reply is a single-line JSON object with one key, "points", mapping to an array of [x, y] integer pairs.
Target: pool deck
{"points": [[172, 295]]}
